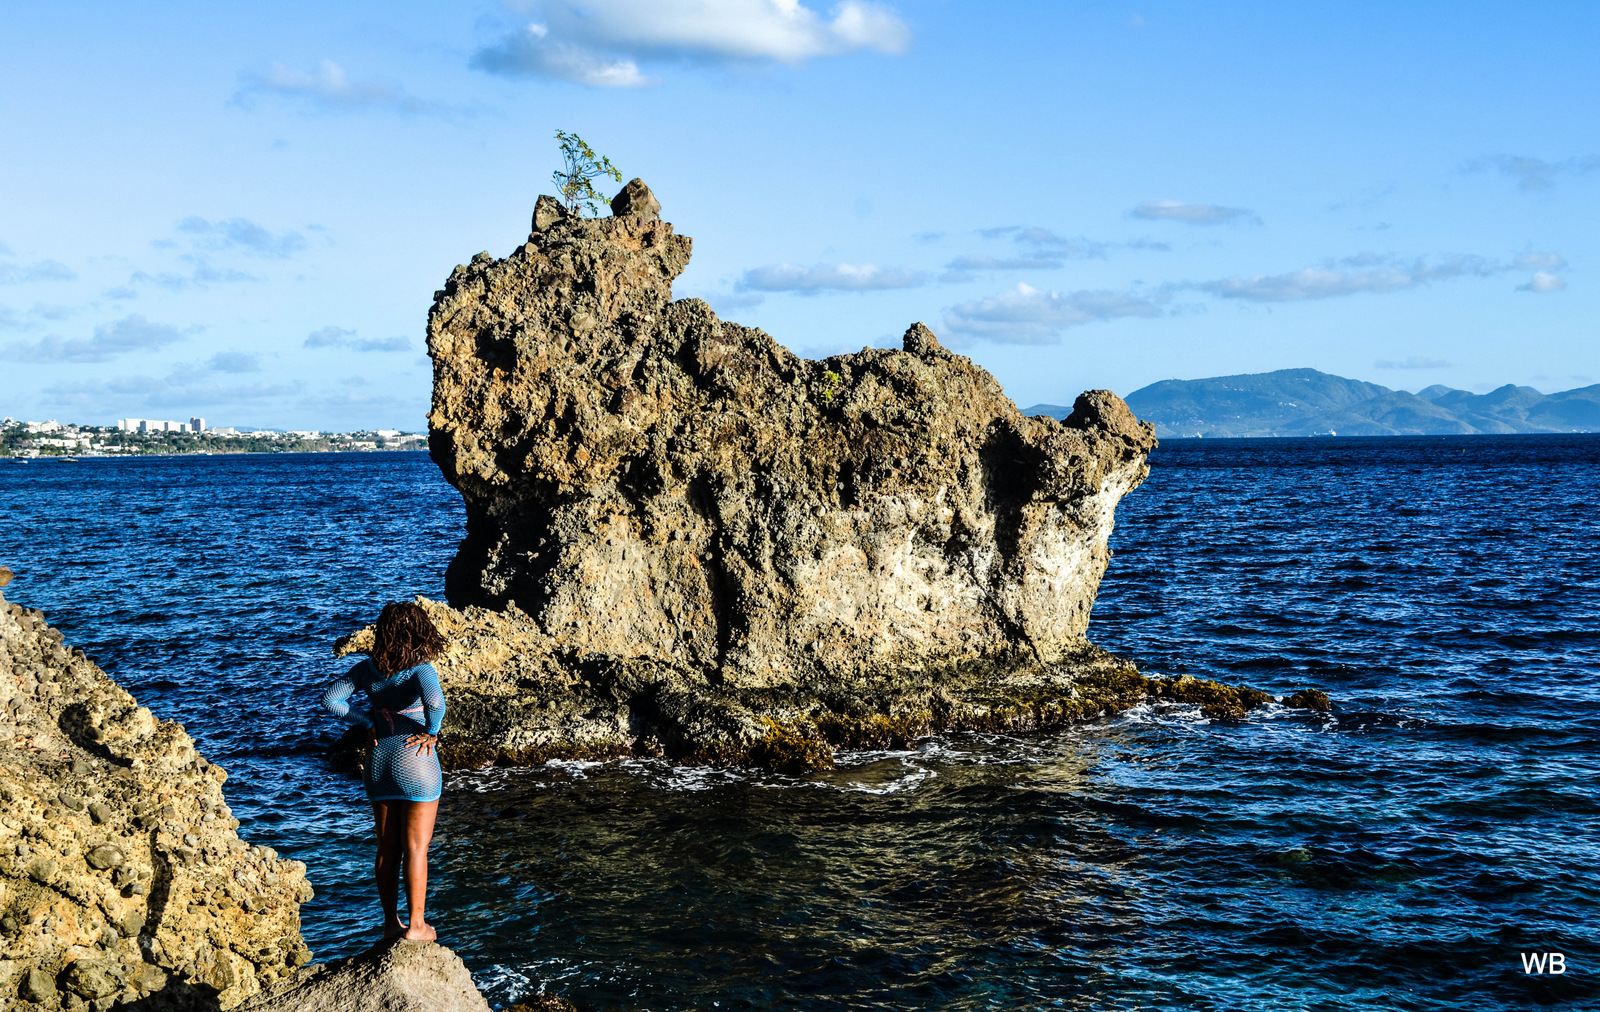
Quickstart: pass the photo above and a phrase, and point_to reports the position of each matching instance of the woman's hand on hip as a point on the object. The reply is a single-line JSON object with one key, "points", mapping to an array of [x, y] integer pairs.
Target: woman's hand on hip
{"points": [[425, 743]]}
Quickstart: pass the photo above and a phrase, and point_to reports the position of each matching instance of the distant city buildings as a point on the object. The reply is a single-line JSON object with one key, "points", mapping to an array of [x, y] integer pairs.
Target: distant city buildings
{"points": [[152, 425], [54, 439]]}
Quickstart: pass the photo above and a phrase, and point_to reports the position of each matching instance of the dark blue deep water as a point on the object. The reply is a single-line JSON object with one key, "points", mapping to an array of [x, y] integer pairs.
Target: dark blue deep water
{"points": [[1399, 854]]}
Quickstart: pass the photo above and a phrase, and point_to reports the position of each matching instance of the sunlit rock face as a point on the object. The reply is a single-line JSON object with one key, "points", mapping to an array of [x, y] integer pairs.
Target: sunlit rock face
{"points": [[123, 881], [646, 481]]}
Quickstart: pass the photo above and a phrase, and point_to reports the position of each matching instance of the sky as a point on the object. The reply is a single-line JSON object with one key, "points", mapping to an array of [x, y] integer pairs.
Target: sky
{"points": [[241, 212]]}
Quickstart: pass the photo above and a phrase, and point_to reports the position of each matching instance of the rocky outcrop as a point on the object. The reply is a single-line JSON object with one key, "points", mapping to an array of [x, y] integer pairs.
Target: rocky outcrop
{"points": [[122, 880], [683, 539], [393, 976], [645, 480]]}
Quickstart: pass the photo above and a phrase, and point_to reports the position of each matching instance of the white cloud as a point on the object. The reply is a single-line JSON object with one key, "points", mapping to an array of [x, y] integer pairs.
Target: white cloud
{"points": [[338, 337], [829, 277], [1192, 214], [131, 333], [1543, 281], [1365, 273], [329, 87], [1027, 315], [42, 270], [601, 43], [1413, 362], [1533, 173], [530, 52], [242, 233]]}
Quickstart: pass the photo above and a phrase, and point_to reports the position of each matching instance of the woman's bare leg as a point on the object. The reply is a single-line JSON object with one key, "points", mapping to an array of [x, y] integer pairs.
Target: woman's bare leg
{"points": [[419, 816], [386, 868]]}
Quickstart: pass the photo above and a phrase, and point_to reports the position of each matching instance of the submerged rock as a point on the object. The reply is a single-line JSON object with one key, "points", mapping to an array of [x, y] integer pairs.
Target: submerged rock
{"points": [[683, 539], [393, 976], [122, 879]]}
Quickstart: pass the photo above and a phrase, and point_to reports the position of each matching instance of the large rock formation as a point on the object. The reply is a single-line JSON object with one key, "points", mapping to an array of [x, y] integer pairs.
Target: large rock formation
{"points": [[684, 539], [645, 480], [122, 879]]}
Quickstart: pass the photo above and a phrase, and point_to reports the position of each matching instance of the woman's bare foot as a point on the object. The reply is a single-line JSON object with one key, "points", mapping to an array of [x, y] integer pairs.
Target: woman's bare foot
{"points": [[394, 928], [421, 933]]}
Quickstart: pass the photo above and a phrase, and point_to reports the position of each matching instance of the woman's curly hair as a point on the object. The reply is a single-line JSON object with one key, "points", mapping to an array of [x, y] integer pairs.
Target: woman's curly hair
{"points": [[405, 638]]}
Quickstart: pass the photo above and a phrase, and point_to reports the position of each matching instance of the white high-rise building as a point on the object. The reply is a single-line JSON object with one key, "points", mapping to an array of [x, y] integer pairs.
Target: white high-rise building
{"points": [[197, 425]]}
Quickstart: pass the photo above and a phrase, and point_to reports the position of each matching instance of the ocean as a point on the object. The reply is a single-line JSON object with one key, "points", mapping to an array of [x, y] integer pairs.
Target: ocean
{"points": [[1410, 850]]}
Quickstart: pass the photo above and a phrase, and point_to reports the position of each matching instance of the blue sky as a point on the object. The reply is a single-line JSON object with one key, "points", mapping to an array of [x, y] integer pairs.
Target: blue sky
{"points": [[242, 211]]}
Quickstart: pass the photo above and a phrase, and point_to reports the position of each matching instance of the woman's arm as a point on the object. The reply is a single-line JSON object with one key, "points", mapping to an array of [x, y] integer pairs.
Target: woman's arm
{"points": [[334, 700], [432, 697]]}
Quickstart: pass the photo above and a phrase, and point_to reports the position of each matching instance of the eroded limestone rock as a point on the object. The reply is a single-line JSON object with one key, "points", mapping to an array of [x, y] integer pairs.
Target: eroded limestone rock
{"points": [[647, 481], [684, 540], [122, 879]]}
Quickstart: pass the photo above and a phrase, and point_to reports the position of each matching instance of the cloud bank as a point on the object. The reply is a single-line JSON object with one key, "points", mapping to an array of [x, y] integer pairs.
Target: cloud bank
{"points": [[1027, 315], [828, 277], [600, 43], [338, 337], [242, 233], [42, 270], [1533, 173], [1190, 214], [329, 87], [1354, 275], [129, 334]]}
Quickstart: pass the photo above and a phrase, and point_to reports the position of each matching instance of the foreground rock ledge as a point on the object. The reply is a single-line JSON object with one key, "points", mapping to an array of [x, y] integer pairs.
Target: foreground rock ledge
{"points": [[122, 880], [393, 976], [684, 540]]}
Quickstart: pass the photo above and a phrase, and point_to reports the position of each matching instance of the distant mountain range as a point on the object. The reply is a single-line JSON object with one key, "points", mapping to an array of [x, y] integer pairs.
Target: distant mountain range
{"points": [[1305, 402]]}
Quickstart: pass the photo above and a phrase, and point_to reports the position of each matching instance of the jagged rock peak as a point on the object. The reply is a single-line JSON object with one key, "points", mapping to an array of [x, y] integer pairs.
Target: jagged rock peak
{"points": [[919, 340], [636, 198], [547, 210]]}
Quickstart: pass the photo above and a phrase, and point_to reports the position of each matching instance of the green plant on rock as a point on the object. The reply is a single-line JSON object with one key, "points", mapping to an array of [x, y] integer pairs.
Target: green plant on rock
{"points": [[580, 166], [833, 381]]}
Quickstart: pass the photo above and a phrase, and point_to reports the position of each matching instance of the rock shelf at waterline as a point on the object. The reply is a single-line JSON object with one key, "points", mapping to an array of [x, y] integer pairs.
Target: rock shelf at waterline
{"points": [[122, 879], [684, 540]]}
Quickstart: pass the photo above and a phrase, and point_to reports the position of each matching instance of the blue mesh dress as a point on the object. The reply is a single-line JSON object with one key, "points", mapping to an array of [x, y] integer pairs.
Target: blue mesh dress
{"points": [[406, 703]]}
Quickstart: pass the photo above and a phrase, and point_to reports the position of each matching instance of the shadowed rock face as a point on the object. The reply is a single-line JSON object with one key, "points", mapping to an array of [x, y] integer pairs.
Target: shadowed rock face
{"points": [[646, 481], [122, 879]]}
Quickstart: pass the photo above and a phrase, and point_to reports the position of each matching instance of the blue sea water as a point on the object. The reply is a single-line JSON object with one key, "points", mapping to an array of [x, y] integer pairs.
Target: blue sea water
{"points": [[1401, 853]]}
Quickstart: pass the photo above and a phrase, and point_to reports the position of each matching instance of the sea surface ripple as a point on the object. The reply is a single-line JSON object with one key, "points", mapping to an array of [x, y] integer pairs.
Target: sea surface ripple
{"points": [[1400, 853]]}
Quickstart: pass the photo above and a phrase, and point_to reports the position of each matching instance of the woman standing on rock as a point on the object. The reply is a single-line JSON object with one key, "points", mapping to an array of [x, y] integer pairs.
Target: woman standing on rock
{"points": [[402, 775]]}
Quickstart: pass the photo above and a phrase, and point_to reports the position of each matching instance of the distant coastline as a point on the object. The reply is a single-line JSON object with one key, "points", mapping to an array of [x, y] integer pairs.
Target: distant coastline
{"points": [[1306, 402], [54, 440]]}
